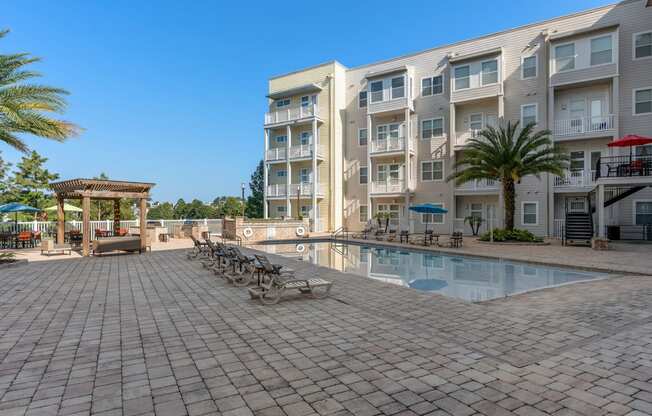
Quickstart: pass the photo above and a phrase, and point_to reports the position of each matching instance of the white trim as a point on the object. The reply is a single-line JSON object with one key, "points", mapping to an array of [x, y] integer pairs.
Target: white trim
{"points": [[370, 93], [391, 88], [536, 113], [634, 209], [455, 77], [432, 94], [443, 130], [443, 175], [359, 130], [554, 57], [634, 58], [602, 35], [482, 84], [523, 213], [481, 114], [634, 91], [536, 66], [443, 216]]}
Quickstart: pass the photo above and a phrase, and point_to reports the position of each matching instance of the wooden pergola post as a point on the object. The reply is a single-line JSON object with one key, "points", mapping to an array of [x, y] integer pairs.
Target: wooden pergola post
{"points": [[143, 224], [61, 221], [116, 216], [86, 225]]}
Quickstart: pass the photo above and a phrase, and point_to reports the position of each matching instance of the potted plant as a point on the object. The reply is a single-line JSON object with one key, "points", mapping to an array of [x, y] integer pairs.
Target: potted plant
{"points": [[474, 222]]}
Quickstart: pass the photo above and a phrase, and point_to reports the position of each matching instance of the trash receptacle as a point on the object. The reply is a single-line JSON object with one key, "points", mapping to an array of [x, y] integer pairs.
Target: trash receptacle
{"points": [[613, 232]]}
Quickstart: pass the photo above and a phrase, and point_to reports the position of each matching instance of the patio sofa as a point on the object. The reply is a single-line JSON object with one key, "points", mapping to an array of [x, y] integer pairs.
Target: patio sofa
{"points": [[127, 243]]}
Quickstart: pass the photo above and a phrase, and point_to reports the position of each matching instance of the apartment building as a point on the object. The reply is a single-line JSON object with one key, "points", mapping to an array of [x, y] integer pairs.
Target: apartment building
{"points": [[343, 144]]}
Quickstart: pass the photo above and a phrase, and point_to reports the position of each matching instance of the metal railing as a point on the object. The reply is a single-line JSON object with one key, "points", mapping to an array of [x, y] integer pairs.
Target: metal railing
{"points": [[276, 153], [575, 178], [478, 185], [303, 189], [389, 186], [623, 166], [582, 125], [388, 144], [277, 189], [290, 114]]}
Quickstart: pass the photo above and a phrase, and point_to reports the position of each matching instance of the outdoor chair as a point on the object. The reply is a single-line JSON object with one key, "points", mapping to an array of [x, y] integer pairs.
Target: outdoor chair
{"points": [[364, 234], [242, 270], [25, 239], [456, 239], [271, 292], [391, 235], [404, 235], [200, 249]]}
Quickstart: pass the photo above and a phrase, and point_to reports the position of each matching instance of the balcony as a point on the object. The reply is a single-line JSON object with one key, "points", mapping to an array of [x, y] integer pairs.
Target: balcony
{"points": [[461, 138], [388, 187], [573, 179], [629, 169], [291, 114], [277, 190], [584, 127], [303, 189], [390, 145], [478, 93], [303, 151], [276, 154], [478, 186]]}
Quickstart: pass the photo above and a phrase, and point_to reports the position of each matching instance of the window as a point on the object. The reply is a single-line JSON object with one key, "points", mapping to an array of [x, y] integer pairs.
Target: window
{"points": [[362, 99], [475, 210], [281, 139], [577, 160], [398, 87], [643, 101], [362, 137], [306, 137], [432, 86], [305, 210], [645, 150], [364, 213], [388, 172], [490, 72], [281, 173], [364, 175], [565, 57], [432, 170], [304, 175], [432, 128], [433, 218], [282, 103], [529, 67], [601, 50], [281, 210], [462, 79], [530, 213], [528, 114], [305, 101], [391, 209], [475, 122], [643, 212], [642, 45], [376, 88]]}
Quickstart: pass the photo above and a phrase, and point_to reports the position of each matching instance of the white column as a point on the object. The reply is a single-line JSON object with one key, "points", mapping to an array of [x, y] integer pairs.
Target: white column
{"points": [[288, 172], [615, 102], [265, 174], [451, 129], [315, 176], [600, 210], [408, 166], [370, 137]]}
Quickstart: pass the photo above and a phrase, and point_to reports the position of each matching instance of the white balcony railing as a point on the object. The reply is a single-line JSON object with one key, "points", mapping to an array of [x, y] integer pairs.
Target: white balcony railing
{"points": [[583, 125], [463, 137], [479, 185], [279, 190], [576, 178], [389, 144], [290, 114], [390, 186], [277, 153], [276, 190], [305, 150]]}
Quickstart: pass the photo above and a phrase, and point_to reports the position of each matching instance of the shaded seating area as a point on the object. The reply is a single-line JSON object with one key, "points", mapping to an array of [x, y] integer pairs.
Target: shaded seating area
{"points": [[98, 189]]}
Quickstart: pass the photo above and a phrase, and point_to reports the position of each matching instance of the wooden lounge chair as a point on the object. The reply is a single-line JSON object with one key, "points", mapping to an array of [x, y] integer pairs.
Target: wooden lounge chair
{"points": [[200, 249], [243, 268], [271, 292], [391, 235], [364, 234]]}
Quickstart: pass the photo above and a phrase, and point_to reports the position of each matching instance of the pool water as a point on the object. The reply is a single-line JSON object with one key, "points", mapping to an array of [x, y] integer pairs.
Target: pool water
{"points": [[464, 277]]}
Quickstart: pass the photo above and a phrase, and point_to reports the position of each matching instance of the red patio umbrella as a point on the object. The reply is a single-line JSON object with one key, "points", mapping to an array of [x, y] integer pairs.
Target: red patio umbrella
{"points": [[629, 141]]}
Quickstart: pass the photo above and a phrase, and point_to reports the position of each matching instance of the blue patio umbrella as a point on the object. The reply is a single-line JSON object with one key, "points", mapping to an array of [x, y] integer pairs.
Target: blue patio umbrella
{"points": [[16, 207], [428, 208], [428, 285]]}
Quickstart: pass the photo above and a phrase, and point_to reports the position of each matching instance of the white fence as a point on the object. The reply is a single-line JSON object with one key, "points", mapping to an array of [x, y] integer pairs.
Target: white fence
{"points": [[289, 114], [583, 125], [50, 227]]}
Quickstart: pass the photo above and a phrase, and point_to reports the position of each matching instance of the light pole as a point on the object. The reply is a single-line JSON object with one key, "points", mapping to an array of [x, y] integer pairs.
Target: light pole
{"points": [[242, 188]]}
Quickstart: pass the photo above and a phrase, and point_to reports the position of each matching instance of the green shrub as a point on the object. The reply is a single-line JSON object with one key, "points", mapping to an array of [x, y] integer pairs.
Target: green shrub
{"points": [[501, 234]]}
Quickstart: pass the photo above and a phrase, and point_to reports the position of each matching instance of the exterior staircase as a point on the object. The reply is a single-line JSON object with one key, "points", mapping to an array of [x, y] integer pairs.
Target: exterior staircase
{"points": [[578, 228]]}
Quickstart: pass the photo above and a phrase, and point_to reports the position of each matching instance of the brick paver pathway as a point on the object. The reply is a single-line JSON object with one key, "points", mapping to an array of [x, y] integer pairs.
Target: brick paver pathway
{"points": [[158, 334]]}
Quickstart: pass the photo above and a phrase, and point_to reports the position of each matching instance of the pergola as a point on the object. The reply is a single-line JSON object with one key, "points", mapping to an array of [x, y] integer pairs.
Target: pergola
{"points": [[87, 189]]}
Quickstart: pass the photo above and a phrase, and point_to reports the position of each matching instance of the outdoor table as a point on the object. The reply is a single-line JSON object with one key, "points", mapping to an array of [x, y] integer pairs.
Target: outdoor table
{"points": [[103, 233]]}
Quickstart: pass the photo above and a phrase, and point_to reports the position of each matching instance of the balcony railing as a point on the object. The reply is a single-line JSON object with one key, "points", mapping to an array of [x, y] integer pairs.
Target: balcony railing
{"points": [[576, 178], [623, 166], [390, 186], [478, 185], [389, 144], [277, 153], [583, 125], [296, 189], [296, 152], [463, 137], [276, 190], [290, 114]]}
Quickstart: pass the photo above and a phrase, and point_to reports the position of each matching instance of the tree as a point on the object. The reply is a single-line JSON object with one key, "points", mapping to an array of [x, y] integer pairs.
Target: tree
{"points": [[22, 106], [507, 154], [161, 211], [4, 181], [232, 207], [31, 181], [255, 202], [180, 209]]}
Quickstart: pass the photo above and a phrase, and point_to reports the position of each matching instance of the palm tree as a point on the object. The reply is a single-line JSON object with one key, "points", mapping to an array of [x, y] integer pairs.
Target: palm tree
{"points": [[507, 154], [22, 105]]}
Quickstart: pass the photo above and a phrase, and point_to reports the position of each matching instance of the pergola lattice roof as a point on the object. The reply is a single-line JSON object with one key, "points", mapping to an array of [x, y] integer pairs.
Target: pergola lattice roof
{"points": [[100, 188]]}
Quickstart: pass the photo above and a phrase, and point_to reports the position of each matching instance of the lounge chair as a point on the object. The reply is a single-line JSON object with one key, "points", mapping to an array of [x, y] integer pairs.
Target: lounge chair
{"points": [[391, 235], [243, 268], [364, 234], [271, 292], [456, 240], [379, 235], [404, 235], [200, 249]]}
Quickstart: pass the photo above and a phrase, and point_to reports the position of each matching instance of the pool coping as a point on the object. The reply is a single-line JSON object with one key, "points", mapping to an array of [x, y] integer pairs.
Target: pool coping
{"points": [[613, 272]]}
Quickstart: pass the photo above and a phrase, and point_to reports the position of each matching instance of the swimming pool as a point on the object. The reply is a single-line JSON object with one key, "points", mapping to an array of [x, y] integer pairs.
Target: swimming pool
{"points": [[470, 278]]}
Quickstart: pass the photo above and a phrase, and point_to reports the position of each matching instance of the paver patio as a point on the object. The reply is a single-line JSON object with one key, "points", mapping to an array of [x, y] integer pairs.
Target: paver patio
{"points": [[158, 334]]}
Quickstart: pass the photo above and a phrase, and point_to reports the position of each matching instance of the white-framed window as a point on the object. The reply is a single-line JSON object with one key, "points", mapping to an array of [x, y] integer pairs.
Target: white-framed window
{"points": [[432, 170], [398, 87], [362, 99], [281, 173], [281, 210], [363, 137], [282, 103], [305, 101], [304, 175], [392, 209], [642, 101], [476, 123], [577, 160], [601, 50], [281, 139], [642, 45], [385, 172], [433, 218], [431, 128], [432, 86], [564, 57], [530, 213], [305, 138], [364, 175], [489, 72], [642, 211], [462, 77], [529, 66], [364, 213], [529, 114], [376, 88], [305, 210], [475, 209]]}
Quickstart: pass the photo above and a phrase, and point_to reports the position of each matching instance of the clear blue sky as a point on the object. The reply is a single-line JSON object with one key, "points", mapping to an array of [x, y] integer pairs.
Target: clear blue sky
{"points": [[183, 84]]}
